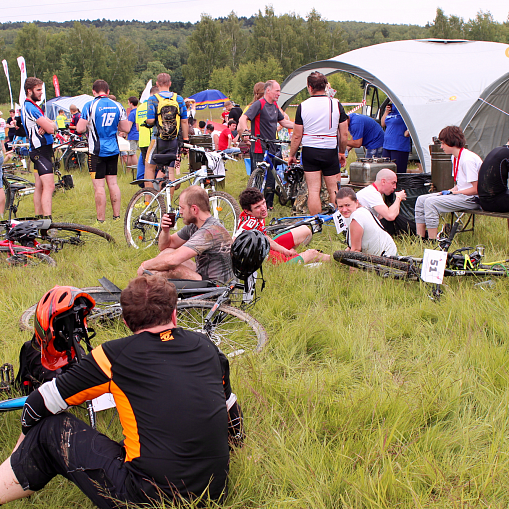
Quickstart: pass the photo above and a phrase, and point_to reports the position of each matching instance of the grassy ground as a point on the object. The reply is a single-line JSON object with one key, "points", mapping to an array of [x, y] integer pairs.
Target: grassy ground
{"points": [[368, 394]]}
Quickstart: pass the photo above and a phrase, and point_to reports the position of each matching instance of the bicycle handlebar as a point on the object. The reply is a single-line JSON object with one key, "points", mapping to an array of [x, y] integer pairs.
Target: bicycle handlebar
{"points": [[196, 148]]}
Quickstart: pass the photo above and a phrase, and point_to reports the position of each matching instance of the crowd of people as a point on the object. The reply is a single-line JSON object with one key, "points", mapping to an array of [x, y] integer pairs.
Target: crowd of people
{"points": [[176, 433]]}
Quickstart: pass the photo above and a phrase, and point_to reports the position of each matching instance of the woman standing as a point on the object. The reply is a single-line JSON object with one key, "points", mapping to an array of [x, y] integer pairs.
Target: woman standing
{"points": [[319, 121], [397, 138]]}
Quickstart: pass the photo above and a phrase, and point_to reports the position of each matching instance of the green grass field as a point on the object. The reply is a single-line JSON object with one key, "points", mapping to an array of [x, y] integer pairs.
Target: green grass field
{"points": [[368, 394]]}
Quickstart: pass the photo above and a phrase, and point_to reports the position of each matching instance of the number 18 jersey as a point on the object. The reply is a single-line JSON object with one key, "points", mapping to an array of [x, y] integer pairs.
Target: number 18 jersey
{"points": [[103, 116]]}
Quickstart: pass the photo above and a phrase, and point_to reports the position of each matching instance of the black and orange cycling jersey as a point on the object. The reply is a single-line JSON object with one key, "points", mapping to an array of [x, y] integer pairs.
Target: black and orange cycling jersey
{"points": [[171, 390]]}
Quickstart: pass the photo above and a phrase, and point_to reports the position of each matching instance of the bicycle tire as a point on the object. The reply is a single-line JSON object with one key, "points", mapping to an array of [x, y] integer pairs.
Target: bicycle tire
{"points": [[143, 235], [346, 257], [224, 207], [382, 270], [287, 224], [282, 195], [75, 161], [256, 179], [22, 256], [75, 234], [235, 333]]}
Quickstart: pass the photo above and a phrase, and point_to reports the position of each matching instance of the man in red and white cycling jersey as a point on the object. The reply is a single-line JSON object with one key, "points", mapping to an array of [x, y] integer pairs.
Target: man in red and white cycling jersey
{"points": [[282, 247]]}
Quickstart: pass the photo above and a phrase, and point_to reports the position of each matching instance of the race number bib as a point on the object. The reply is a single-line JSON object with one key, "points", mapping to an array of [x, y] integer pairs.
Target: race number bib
{"points": [[339, 222], [433, 266]]}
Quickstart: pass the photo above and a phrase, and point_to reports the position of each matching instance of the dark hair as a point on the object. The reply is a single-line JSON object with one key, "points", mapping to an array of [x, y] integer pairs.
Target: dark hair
{"points": [[61, 111], [249, 197], [346, 192], [195, 195], [133, 100], [148, 301], [154, 90], [201, 123], [452, 136], [232, 121], [210, 127], [100, 86], [317, 81], [31, 83], [12, 111]]}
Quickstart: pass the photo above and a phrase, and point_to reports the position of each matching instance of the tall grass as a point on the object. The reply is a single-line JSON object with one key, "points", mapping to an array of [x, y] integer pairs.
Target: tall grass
{"points": [[368, 394]]}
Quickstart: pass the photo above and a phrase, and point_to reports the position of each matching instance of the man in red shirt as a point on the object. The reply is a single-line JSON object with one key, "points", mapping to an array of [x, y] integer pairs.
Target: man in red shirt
{"points": [[226, 139], [282, 247]]}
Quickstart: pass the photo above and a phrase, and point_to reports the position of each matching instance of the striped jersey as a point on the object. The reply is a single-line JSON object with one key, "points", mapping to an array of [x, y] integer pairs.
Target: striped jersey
{"points": [[29, 115], [103, 116]]}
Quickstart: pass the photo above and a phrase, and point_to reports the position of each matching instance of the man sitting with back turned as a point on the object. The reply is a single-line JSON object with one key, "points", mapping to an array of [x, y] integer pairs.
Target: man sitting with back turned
{"points": [[203, 238], [390, 217], [282, 247], [176, 412]]}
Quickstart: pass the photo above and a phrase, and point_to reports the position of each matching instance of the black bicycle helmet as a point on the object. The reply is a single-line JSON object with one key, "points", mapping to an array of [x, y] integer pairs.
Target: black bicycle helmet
{"points": [[52, 310], [248, 251], [24, 233]]}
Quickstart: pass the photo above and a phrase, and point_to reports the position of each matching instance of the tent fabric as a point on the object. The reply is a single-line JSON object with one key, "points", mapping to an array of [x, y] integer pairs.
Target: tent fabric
{"points": [[433, 83], [63, 103], [211, 98]]}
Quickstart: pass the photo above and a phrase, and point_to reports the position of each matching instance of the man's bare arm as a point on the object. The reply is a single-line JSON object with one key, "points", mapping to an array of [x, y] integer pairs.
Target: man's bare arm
{"points": [[391, 213], [81, 126], [48, 125], [354, 143], [242, 123]]}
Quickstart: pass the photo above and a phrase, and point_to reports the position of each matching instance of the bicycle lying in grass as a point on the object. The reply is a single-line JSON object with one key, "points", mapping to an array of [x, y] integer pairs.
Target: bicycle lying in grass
{"points": [[217, 311], [462, 262], [142, 223], [286, 183]]}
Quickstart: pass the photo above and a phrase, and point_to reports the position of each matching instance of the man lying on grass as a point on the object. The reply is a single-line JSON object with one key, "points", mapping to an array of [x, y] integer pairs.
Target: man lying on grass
{"points": [[282, 247], [203, 238], [177, 412]]}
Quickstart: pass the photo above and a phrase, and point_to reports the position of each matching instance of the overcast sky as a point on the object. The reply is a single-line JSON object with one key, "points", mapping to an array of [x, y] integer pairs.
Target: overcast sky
{"points": [[382, 11]]}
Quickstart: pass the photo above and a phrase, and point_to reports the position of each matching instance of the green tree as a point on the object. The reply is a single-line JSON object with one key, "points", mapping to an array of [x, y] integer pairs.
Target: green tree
{"points": [[444, 27], [121, 69], [482, 28], [223, 79], [234, 40], [30, 43], [206, 53]]}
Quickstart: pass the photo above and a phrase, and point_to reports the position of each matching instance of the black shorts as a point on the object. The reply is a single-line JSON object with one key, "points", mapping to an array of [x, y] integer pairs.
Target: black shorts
{"points": [[100, 167], [42, 158], [162, 147], [325, 160], [63, 444]]}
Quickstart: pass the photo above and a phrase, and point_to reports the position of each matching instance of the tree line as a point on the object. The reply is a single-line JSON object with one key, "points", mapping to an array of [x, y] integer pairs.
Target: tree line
{"points": [[230, 54]]}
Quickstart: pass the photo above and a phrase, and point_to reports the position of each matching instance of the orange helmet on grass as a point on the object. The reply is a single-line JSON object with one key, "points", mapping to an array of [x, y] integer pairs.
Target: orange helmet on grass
{"points": [[55, 316]]}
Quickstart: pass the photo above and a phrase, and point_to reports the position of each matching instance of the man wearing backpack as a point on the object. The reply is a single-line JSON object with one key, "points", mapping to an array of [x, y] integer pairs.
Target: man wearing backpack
{"points": [[265, 115], [167, 111]]}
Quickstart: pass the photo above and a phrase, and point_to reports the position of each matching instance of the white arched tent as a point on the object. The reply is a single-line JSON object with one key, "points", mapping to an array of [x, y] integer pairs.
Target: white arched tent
{"points": [[433, 83]]}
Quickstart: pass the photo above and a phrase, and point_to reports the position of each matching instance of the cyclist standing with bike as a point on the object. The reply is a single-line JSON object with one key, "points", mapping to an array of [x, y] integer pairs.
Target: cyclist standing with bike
{"points": [[320, 124], [177, 414], [103, 118], [39, 129], [167, 111], [265, 115]]}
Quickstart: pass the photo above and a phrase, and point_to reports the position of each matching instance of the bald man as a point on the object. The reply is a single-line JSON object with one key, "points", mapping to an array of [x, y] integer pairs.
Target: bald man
{"points": [[371, 197]]}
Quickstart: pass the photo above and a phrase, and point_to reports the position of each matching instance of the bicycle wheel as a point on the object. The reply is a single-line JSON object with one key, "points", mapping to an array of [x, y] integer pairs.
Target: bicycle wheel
{"points": [[23, 257], [256, 179], [60, 234], [75, 161], [378, 264], [233, 331], [107, 308], [142, 222], [224, 207]]}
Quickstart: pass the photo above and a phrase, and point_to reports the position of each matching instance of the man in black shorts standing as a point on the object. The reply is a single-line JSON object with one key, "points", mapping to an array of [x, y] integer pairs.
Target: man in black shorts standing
{"points": [[178, 413], [39, 130], [203, 238], [103, 118], [321, 124], [265, 115]]}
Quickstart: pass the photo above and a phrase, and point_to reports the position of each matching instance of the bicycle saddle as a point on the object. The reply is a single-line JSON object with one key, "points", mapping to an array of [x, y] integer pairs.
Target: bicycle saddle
{"points": [[164, 159]]}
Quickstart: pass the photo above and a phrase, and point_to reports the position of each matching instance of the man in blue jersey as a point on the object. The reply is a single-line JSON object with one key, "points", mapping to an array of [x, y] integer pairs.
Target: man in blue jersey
{"points": [[168, 119], [39, 131], [366, 132], [103, 118]]}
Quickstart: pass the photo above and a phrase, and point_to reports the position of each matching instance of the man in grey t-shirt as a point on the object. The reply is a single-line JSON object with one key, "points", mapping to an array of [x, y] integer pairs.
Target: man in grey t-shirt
{"points": [[203, 238]]}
